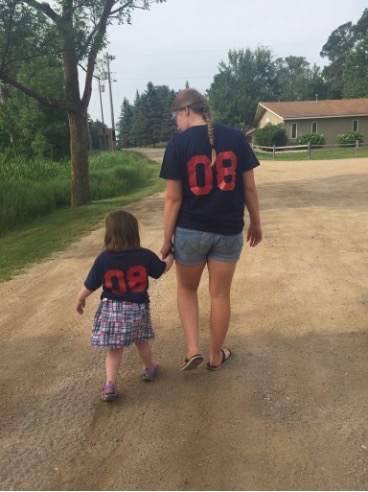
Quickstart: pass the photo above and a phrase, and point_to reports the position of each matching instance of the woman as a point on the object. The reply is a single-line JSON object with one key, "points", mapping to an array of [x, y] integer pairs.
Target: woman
{"points": [[209, 177]]}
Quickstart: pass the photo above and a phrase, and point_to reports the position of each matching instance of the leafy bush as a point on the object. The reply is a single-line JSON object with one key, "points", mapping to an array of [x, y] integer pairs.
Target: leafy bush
{"points": [[30, 189], [349, 138], [271, 135], [312, 138]]}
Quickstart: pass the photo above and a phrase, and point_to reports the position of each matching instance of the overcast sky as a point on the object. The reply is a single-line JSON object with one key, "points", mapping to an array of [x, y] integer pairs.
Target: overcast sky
{"points": [[184, 40]]}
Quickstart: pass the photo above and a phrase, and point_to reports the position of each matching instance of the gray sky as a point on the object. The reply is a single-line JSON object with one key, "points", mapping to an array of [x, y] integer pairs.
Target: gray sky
{"points": [[184, 40]]}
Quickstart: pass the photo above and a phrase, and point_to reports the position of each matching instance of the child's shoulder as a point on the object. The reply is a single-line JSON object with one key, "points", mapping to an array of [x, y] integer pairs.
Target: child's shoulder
{"points": [[145, 252]]}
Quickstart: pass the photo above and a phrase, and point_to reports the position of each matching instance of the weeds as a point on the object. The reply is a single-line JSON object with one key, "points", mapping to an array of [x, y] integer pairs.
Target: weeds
{"points": [[31, 189]]}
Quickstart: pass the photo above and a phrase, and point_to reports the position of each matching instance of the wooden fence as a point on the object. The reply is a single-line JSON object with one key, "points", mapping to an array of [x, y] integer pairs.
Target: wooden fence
{"points": [[308, 148]]}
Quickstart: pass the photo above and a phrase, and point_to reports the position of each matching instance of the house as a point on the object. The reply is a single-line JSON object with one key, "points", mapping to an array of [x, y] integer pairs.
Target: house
{"points": [[329, 117]]}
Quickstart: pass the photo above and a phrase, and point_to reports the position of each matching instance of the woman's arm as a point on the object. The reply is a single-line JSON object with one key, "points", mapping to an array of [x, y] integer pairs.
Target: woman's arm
{"points": [[173, 201], [254, 233]]}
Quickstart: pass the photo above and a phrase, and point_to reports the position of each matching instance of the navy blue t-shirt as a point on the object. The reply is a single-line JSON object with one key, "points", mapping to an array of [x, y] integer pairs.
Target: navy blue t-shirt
{"points": [[213, 197], [124, 276]]}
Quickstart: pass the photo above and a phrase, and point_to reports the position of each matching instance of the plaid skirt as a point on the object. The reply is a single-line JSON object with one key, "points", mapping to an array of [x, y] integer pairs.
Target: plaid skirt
{"points": [[119, 324]]}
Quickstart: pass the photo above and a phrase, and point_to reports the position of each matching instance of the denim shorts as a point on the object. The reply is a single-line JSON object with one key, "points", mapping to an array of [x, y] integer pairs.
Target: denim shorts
{"points": [[194, 247]]}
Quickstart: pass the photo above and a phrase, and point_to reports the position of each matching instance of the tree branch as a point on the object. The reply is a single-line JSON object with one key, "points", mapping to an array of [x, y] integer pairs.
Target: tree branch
{"points": [[95, 47], [43, 7], [35, 95], [122, 7]]}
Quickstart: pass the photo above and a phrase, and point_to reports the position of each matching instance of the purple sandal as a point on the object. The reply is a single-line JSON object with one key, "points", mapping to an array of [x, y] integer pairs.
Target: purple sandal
{"points": [[108, 392], [150, 374]]}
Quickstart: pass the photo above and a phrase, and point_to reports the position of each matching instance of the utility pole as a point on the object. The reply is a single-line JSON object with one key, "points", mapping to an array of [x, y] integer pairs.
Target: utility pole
{"points": [[108, 58], [101, 89]]}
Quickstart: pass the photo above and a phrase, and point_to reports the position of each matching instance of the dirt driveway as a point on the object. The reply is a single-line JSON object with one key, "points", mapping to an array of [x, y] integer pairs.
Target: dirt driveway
{"points": [[289, 412]]}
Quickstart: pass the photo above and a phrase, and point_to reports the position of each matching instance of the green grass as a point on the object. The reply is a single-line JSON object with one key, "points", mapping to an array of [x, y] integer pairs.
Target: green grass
{"points": [[31, 189], [43, 236]]}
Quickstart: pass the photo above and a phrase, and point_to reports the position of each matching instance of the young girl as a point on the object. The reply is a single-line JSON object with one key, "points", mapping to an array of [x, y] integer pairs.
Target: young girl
{"points": [[123, 316]]}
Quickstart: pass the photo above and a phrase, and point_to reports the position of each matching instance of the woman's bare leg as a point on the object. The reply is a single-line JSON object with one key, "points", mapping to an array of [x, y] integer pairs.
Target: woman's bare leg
{"points": [[188, 278], [220, 278]]}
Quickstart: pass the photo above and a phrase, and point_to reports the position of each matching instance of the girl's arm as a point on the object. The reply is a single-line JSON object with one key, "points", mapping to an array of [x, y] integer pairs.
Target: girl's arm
{"points": [[81, 299], [173, 201], [254, 233]]}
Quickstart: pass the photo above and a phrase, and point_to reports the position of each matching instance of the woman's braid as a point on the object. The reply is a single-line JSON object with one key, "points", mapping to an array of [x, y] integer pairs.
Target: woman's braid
{"points": [[194, 100], [211, 136]]}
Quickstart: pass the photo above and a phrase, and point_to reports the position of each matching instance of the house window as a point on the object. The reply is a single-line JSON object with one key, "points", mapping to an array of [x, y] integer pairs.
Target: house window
{"points": [[355, 125], [294, 131], [314, 127]]}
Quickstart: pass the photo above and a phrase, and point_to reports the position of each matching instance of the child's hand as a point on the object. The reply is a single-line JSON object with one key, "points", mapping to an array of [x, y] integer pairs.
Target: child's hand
{"points": [[80, 306]]}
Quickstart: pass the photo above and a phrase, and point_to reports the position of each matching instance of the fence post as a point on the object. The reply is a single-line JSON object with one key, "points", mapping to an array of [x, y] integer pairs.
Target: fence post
{"points": [[356, 147], [309, 151], [274, 151]]}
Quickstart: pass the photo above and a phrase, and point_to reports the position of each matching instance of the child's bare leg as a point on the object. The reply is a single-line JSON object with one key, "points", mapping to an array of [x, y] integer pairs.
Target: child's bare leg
{"points": [[113, 361], [144, 352]]}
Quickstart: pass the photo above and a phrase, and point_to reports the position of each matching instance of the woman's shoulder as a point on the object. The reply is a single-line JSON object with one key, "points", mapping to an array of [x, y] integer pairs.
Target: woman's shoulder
{"points": [[228, 133], [227, 129]]}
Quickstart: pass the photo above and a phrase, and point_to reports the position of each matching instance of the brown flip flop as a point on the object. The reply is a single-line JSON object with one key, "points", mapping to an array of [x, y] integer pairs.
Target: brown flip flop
{"points": [[223, 360], [192, 363]]}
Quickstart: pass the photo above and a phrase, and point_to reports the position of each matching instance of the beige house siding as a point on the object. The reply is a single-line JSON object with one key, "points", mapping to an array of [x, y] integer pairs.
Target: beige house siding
{"points": [[269, 117], [329, 127], [323, 117]]}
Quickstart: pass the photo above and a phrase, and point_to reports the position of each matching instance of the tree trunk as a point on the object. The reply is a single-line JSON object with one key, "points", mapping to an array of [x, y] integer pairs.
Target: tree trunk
{"points": [[79, 158]]}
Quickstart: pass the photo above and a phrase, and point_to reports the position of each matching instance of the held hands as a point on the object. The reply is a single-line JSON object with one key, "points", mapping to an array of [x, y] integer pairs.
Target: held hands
{"points": [[166, 249], [254, 235]]}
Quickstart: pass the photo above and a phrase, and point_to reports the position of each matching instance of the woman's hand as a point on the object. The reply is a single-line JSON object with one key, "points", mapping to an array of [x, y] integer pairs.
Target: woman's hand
{"points": [[254, 235], [166, 249]]}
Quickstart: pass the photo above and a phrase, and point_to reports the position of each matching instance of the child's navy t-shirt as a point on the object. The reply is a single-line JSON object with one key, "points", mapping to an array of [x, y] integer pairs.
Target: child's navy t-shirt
{"points": [[124, 276]]}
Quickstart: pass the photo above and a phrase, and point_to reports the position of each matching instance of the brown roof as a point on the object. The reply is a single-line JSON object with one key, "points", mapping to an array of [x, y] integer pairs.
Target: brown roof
{"points": [[314, 109]]}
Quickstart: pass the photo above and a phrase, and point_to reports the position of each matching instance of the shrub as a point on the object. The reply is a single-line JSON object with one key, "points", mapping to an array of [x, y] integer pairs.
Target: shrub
{"points": [[30, 189], [312, 138], [271, 135], [349, 138]]}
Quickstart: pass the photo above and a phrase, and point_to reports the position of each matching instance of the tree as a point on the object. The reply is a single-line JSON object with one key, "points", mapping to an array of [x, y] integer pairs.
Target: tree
{"points": [[356, 71], [153, 109], [125, 125], [75, 32], [347, 49], [297, 81], [33, 129], [151, 122], [167, 125], [247, 78], [139, 121]]}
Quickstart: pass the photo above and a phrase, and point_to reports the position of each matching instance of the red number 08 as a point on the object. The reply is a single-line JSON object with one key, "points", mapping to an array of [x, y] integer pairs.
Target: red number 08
{"points": [[136, 280], [222, 172]]}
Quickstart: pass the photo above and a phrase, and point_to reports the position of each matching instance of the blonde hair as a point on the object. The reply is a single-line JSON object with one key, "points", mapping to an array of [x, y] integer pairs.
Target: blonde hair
{"points": [[191, 98], [122, 232]]}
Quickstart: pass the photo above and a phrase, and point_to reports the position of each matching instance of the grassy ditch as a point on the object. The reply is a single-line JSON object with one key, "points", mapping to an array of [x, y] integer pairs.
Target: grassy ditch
{"points": [[37, 238]]}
